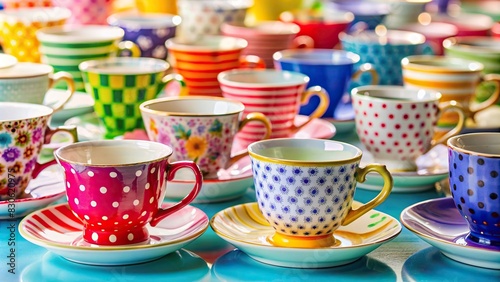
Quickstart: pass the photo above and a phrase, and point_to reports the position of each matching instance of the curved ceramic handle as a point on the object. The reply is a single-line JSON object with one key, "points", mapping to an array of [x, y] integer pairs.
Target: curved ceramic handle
{"points": [[493, 99], [251, 117], [364, 68], [252, 62], [452, 106], [130, 46], [324, 101], [49, 132], [172, 169], [68, 78], [361, 173], [175, 77]]}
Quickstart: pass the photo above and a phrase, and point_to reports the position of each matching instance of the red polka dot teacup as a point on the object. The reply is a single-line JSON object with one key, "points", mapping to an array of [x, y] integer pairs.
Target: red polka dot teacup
{"points": [[116, 187], [396, 125]]}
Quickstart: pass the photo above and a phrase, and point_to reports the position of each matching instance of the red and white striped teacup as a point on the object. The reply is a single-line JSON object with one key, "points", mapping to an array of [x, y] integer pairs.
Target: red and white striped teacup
{"points": [[275, 93]]}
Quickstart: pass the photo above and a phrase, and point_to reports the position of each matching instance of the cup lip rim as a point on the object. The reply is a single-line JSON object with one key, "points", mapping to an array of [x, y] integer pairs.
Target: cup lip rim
{"points": [[58, 14], [176, 44], [452, 144], [258, 28], [357, 157], [463, 43], [144, 106], [59, 34], [353, 38], [18, 71], [103, 143], [355, 93], [155, 20], [86, 66], [287, 56], [413, 63], [47, 111], [222, 78]]}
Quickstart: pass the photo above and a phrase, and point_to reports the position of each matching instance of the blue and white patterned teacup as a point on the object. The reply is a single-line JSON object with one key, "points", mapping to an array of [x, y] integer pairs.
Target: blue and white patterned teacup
{"points": [[305, 188], [384, 49], [474, 164], [148, 30]]}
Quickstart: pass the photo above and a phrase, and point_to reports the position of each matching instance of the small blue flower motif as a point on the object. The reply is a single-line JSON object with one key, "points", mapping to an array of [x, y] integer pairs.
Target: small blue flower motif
{"points": [[285, 209], [290, 180], [300, 211], [308, 219], [5, 140], [328, 210], [329, 190], [313, 171], [306, 181], [301, 227], [257, 165], [273, 207], [321, 181], [266, 196], [278, 198], [276, 178], [347, 178], [258, 193], [296, 170], [279, 216], [281, 170], [335, 180], [322, 201], [264, 176], [340, 208], [353, 166], [328, 171], [267, 168], [284, 189], [294, 219], [262, 205], [341, 188], [314, 191], [261, 185], [336, 200], [270, 187], [315, 211], [308, 201], [342, 169], [299, 191], [292, 200], [321, 219]]}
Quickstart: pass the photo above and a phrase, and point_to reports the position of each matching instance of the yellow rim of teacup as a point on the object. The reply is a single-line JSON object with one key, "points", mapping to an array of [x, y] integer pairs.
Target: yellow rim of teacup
{"points": [[312, 163], [144, 106], [414, 63], [453, 143]]}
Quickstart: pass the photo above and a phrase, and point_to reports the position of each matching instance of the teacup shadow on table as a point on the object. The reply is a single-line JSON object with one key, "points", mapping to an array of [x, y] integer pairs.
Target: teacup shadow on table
{"points": [[180, 265], [238, 262], [430, 260]]}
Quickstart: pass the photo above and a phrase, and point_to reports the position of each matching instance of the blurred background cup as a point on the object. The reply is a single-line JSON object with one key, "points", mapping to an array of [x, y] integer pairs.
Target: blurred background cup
{"points": [[474, 164], [24, 129], [467, 24], [155, 6], [435, 33], [396, 124], [30, 82], [120, 85], [148, 31], [455, 78], [266, 38], [483, 49], [19, 26], [404, 12], [331, 69], [65, 47], [200, 61], [277, 94], [495, 30], [87, 12], [366, 15], [384, 49], [261, 10], [205, 17], [15, 4], [200, 129]]}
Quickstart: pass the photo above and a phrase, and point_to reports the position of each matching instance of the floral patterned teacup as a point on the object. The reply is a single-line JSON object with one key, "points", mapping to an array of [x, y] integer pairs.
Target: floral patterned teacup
{"points": [[200, 129], [23, 131]]}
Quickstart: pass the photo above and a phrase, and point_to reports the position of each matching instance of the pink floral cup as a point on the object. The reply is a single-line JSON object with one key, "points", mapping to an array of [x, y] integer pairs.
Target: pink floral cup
{"points": [[200, 129], [116, 187], [23, 131]]}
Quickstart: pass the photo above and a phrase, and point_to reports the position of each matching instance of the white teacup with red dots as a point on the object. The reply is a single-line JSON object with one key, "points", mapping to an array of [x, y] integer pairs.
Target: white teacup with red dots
{"points": [[116, 187], [396, 124]]}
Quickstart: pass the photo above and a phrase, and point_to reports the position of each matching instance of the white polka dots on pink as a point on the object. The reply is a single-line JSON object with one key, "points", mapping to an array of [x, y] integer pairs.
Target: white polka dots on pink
{"points": [[113, 174], [126, 189], [103, 190], [138, 173], [93, 204], [115, 204], [82, 187], [135, 202], [90, 173], [147, 186]]}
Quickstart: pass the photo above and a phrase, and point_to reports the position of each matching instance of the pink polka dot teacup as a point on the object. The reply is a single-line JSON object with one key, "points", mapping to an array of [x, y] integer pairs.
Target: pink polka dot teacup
{"points": [[396, 125], [116, 187]]}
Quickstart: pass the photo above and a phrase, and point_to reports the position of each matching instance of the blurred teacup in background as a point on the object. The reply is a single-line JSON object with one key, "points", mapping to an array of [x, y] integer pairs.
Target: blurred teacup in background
{"points": [[18, 29], [474, 164], [149, 31], [30, 82], [305, 188], [404, 12], [483, 49], [116, 188], [65, 47], [396, 124], [120, 85], [435, 33], [200, 129], [333, 70], [261, 10], [277, 94], [87, 12], [200, 61], [24, 129], [456, 79], [366, 15], [155, 6], [15, 4]]}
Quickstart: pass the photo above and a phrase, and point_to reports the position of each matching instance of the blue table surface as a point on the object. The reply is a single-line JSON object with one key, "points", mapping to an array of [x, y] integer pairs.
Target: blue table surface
{"points": [[209, 258]]}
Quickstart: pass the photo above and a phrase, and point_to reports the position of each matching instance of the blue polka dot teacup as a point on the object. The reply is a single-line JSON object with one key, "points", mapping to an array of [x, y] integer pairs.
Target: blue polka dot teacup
{"points": [[474, 164], [305, 188]]}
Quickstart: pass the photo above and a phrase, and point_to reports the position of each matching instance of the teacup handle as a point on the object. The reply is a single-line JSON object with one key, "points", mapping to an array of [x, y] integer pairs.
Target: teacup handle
{"points": [[251, 117], [130, 46], [177, 78], [252, 62], [49, 132], [361, 173], [324, 101], [68, 78], [172, 169], [364, 68], [454, 107], [493, 99]]}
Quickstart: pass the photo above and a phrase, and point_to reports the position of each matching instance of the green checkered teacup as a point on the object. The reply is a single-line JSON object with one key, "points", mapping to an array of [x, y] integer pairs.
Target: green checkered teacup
{"points": [[120, 85]]}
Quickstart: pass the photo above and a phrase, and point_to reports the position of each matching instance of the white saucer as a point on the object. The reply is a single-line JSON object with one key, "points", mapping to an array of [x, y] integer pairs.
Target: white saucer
{"points": [[47, 188], [80, 103], [439, 223], [432, 167], [244, 227], [7, 61], [58, 230]]}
